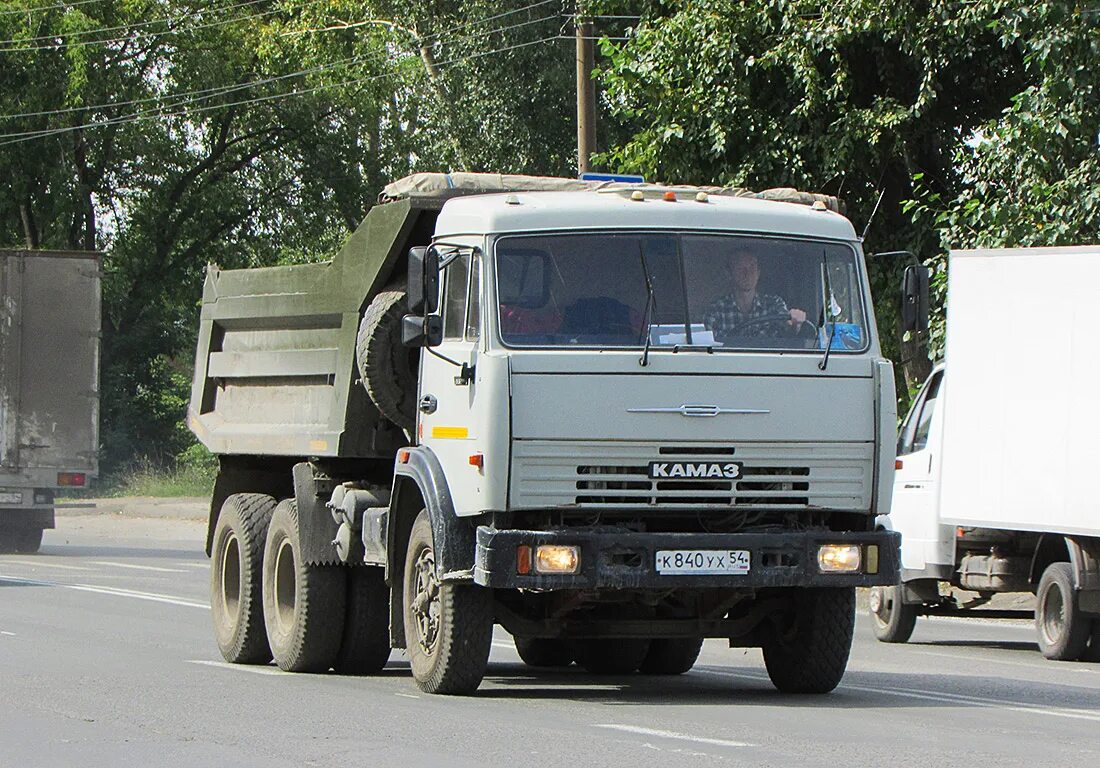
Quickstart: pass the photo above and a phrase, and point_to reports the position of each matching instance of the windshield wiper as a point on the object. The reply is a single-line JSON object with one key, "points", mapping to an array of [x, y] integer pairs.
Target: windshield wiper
{"points": [[650, 305], [826, 307]]}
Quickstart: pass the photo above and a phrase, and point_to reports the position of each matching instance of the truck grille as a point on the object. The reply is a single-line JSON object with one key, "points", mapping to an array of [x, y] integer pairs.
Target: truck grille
{"points": [[615, 475]]}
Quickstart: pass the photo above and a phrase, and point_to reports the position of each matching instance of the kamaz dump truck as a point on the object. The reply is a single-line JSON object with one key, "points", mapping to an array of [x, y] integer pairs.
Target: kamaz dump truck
{"points": [[49, 386], [614, 419]]}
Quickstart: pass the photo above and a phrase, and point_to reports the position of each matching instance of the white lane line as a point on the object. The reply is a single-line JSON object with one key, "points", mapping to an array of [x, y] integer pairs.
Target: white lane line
{"points": [[45, 564], [942, 697], [114, 591], [502, 644], [407, 695], [241, 667], [673, 735], [204, 566], [1055, 667], [137, 567], [7, 634]]}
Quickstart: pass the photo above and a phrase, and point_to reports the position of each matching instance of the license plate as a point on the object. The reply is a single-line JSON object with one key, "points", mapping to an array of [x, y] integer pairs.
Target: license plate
{"points": [[677, 562], [7, 497]]}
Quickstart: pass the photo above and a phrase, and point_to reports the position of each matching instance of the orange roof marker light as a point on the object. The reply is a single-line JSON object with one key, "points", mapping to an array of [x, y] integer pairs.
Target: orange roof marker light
{"points": [[670, 196]]}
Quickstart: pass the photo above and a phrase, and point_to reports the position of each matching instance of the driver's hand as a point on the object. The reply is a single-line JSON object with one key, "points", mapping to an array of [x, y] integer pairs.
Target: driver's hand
{"points": [[798, 317]]}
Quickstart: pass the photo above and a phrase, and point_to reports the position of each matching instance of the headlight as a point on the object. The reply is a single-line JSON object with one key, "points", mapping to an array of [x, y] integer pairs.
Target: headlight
{"points": [[556, 558], [838, 558]]}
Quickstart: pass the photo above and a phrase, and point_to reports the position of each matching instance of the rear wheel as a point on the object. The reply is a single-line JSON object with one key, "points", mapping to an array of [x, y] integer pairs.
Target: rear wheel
{"points": [[808, 652], [671, 656], [1063, 630], [612, 656], [27, 540], [303, 604], [365, 648], [893, 620], [235, 578], [448, 626], [544, 652]]}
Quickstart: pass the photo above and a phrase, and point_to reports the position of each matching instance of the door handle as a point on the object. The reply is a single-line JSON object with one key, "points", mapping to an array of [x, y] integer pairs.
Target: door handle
{"points": [[428, 404]]}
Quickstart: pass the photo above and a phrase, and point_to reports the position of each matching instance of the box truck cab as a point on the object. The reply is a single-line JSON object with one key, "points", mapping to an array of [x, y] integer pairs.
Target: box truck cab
{"points": [[992, 487]]}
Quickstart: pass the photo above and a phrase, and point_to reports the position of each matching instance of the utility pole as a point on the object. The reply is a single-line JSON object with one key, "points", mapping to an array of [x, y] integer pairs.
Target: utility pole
{"points": [[586, 95]]}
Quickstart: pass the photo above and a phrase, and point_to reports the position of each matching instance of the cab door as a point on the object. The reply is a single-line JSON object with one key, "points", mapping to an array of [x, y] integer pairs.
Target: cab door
{"points": [[914, 512], [448, 392]]}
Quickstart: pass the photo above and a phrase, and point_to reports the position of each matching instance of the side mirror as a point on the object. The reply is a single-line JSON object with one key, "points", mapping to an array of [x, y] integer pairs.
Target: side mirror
{"points": [[423, 287], [421, 331], [914, 299]]}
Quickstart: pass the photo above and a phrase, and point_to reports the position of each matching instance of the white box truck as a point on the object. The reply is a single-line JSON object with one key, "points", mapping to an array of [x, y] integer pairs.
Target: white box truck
{"points": [[49, 386], [993, 480]]}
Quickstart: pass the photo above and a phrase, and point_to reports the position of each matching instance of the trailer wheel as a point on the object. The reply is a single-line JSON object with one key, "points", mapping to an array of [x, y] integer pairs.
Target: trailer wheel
{"points": [[387, 367], [365, 648], [448, 626], [303, 604], [1063, 630], [809, 653], [671, 656], [235, 578], [893, 619], [26, 541], [544, 652], [612, 656]]}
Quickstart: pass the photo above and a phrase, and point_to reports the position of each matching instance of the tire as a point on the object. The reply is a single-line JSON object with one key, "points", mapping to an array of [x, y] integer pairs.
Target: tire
{"points": [[235, 578], [303, 604], [1062, 629], [26, 541], [811, 653], [1093, 652], [365, 647], [448, 626], [892, 619], [671, 656], [387, 367], [612, 656], [544, 652]]}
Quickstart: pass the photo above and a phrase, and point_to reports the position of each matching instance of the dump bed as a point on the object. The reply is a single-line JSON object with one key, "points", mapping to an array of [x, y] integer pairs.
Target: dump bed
{"points": [[1020, 413], [275, 367], [49, 366]]}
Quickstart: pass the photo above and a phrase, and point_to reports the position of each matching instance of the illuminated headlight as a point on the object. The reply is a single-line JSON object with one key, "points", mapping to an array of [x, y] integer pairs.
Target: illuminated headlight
{"points": [[838, 558], [556, 558]]}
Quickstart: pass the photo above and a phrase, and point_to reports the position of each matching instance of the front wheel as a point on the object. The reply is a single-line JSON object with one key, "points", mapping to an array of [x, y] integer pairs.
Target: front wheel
{"points": [[892, 618], [671, 656], [448, 626], [1063, 630], [809, 650]]}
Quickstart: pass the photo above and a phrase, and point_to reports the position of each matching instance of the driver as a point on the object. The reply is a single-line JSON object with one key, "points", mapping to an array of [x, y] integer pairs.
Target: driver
{"points": [[733, 314]]}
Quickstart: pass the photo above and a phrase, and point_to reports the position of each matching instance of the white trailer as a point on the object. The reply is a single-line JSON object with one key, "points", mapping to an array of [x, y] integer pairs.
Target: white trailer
{"points": [[993, 481]]}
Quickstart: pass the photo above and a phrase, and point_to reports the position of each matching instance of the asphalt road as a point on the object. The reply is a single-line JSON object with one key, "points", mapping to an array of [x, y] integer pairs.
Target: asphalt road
{"points": [[107, 658]]}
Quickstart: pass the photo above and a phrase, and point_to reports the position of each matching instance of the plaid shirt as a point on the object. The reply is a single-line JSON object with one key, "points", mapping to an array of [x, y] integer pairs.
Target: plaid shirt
{"points": [[724, 316]]}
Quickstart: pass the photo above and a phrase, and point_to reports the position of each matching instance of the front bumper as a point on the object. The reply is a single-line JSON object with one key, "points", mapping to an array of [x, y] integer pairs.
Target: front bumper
{"points": [[616, 559]]}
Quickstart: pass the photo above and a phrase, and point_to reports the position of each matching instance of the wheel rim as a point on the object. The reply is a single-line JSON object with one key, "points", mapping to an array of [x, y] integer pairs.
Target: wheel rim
{"points": [[425, 602], [284, 585], [231, 577], [1054, 615], [884, 608]]}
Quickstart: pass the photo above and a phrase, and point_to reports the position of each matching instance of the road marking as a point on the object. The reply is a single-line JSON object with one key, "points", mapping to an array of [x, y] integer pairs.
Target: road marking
{"points": [[45, 564], [204, 566], [407, 695], [1017, 664], [7, 634], [943, 697], [502, 644], [116, 592], [255, 670], [673, 735], [137, 567]]}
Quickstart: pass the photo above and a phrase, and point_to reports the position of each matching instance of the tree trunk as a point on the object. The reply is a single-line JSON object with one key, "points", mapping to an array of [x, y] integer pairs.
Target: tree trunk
{"points": [[30, 226]]}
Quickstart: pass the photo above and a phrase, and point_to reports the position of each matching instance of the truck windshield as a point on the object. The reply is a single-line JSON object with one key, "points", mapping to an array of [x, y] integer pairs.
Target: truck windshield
{"points": [[719, 291]]}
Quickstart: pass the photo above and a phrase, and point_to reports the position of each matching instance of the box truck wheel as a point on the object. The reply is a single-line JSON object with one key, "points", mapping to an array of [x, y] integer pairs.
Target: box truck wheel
{"points": [[544, 652], [448, 626], [808, 652], [365, 648], [671, 656], [387, 367], [20, 540], [893, 620], [1063, 630], [613, 656], [303, 604], [235, 568]]}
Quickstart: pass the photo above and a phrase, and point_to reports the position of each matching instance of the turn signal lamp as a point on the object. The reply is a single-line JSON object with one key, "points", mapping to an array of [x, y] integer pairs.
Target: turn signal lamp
{"points": [[556, 558], [838, 558], [72, 479], [477, 460], [523, 559], [403, 456], [898, 463]]}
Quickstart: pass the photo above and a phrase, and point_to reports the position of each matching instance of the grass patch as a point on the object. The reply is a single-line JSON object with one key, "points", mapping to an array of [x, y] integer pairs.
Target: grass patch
{"points": [[159, 483]]}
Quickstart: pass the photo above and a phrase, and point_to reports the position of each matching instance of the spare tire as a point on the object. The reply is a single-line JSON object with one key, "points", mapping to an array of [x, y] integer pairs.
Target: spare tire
{"points": [[387, 367]]}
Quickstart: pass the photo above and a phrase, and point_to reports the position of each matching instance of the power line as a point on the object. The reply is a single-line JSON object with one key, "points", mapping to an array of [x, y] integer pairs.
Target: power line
{"points": [[7, 139], [55, 6], [437, 35]]}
